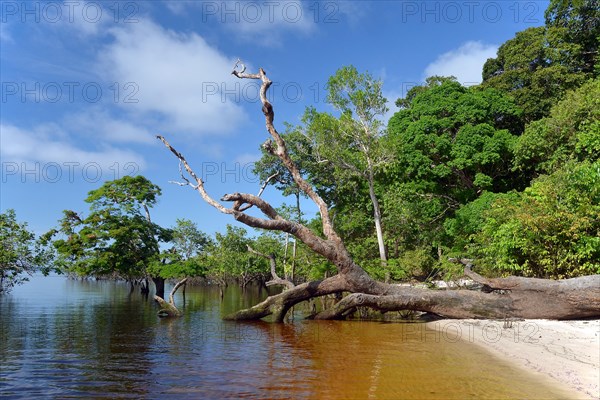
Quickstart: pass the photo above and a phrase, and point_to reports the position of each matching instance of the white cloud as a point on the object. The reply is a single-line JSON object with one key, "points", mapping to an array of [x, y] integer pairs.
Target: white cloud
{"points": [[391, 97], [98, 123], [262, 23], [5, 35], [90, 18], [180, 78], [465, 63], [247, 158], [50, 143]]}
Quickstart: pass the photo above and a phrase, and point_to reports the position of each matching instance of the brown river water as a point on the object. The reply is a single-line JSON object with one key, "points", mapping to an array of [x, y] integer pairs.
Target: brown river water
{"points": [[63, 338]]}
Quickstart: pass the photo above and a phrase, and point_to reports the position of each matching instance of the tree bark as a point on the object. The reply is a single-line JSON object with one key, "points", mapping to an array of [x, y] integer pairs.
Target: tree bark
{"points": [[570, 299], [276, 280], [378, 226], [511, 297], [159, 284], [168, 309]]}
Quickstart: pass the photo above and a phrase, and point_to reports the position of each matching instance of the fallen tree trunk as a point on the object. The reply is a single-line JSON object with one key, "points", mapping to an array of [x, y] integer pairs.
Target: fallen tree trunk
{"points": [[527, 298], [511, 297], [566, 299]]}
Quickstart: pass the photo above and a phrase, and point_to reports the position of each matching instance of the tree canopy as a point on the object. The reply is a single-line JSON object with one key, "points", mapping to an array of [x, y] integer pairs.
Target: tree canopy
{"points": [[21, 253], [117, 237], [541, 64]]}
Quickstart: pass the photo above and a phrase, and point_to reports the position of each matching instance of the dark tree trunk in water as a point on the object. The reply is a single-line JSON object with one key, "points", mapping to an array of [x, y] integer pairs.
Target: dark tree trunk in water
{"points": [[145, 286], [504, 298], [159, 284], [168, 309]]}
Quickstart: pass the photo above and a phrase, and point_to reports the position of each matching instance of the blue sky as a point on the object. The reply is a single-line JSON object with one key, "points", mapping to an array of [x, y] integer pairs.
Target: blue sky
{"points": [[87, 85]]}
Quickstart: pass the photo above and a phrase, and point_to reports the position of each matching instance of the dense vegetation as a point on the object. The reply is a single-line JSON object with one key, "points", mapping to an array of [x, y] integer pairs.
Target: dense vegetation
{"points": [[506, 173]]}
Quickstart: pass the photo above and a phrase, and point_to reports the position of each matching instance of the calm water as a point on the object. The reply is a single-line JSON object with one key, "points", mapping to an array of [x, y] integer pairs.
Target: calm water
{"points": [[61, 338]]}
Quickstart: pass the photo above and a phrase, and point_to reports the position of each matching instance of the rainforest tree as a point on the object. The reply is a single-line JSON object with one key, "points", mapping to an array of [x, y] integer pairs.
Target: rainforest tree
{"points": [[21, 253], [118, 236]]}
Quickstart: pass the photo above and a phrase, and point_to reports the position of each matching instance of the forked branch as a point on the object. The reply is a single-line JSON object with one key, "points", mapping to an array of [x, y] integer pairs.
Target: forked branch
{"points": [[273, 264], [169, 309], [281, 151]]}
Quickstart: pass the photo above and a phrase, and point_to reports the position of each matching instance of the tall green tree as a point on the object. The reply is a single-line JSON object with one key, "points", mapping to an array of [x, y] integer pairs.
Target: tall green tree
{"points": [[188, 240], [186, 256], [581, 20], [571, 131], [21, 253], [351, 144], [118, 236], [552, 229], [452, 143], [342, 154], [540, 65]]}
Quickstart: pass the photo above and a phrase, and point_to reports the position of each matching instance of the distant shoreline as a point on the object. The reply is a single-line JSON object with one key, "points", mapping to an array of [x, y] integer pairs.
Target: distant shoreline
{"points": [[567, 353]]}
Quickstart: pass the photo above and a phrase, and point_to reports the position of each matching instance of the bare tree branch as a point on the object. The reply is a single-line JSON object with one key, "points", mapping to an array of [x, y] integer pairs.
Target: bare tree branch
{"points": [[262, 189], [199, 183], [174, 290], [276, 279], [283, 154]]}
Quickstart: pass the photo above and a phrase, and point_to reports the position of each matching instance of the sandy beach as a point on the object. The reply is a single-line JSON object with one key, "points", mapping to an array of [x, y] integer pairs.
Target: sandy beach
{"points": [[565, 352]]}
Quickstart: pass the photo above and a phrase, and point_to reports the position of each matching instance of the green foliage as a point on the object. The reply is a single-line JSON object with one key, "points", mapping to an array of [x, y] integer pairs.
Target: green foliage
{"points": [[455, 137], [126, 195], [581, 20], [186, 257], [550, 230], [228, 257], [452, 143], [469, 219], [541, 64], [416, 263], [117, 237], [572, 130], [188, 241], [21, 253], [351, 92]]}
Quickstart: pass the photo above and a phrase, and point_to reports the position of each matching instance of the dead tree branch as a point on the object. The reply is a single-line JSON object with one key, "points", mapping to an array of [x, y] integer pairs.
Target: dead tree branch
{"points": [[273, 264], [262, 189], [169, 309], [281, 151]]}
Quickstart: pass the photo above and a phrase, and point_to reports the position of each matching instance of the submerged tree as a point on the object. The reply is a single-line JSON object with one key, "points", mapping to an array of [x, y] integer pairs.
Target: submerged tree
{"points": [[118, 236], [508, 297]]}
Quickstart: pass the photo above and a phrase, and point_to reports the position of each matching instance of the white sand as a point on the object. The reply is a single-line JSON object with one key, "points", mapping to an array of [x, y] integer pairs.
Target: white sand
{"points": [[567, 352]]}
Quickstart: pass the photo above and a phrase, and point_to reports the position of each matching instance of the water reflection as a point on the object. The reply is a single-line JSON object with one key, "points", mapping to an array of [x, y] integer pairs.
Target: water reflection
{"points": [[63, 338]]}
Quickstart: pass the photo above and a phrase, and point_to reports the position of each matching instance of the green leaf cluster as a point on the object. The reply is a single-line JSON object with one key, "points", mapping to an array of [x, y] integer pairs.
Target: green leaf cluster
{"points": [[21, 253]]}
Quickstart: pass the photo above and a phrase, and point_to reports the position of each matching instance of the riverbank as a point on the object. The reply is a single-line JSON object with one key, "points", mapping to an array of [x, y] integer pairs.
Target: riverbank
{"points": [[566, 352]]}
